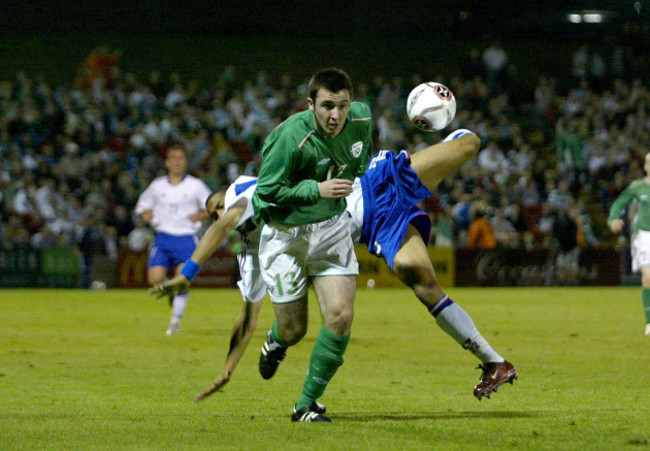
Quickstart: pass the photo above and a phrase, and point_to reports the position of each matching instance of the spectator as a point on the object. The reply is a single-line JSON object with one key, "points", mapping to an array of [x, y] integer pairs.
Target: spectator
{"points": [[480, 233], [495, 59], [565, 233], [491, 158]]}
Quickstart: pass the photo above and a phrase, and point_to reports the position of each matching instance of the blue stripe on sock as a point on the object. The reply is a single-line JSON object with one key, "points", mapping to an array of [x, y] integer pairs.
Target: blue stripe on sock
{"points": [[440, 306]]}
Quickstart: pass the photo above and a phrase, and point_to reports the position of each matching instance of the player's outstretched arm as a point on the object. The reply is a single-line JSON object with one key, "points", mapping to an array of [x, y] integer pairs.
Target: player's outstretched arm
{"points": [[436, 162], [242, 332], [173, 286]]}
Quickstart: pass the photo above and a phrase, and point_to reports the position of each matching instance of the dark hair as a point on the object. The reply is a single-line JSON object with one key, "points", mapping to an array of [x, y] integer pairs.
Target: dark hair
{"points": [[214, 215], [175, 146], [332, 79]]}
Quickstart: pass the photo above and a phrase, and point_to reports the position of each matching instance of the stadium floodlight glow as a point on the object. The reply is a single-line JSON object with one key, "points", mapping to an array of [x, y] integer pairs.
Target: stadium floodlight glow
{"points": [[592, 17], [574, 18]]}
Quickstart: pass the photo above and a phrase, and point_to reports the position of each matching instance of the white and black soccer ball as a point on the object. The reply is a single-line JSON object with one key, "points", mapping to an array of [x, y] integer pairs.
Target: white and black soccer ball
{"points": [[431, 106]]}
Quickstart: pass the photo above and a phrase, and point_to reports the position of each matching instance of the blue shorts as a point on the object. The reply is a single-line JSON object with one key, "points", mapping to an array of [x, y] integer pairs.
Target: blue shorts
{"points": [[170, 251], [391, 188]]}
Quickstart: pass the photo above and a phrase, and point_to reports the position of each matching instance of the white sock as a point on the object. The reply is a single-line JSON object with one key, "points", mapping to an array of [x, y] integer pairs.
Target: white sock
{"points": [[459, 325], [178, 307]]}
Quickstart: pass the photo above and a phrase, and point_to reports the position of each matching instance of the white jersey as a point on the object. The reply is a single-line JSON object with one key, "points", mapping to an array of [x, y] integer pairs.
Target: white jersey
{"points": [[172, 205]]}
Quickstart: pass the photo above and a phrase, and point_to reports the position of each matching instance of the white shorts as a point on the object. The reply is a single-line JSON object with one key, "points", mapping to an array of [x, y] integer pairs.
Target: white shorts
{"points": [[289, 256], [640, 249], [251, 285]]}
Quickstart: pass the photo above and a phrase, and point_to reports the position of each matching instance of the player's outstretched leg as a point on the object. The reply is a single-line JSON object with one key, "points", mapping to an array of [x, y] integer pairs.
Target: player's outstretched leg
{"points": [[436, 162], [413, 266], [178, 309]]}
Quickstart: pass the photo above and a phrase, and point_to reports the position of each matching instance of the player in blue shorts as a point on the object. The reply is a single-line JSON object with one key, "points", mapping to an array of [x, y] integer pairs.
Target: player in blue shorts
{"points": [[393, 228], [174, 206]]}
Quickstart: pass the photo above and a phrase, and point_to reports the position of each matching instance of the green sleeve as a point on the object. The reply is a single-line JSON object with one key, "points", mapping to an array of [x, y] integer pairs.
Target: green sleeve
{"points": [[621, 202], [274, 184], [367, 141]]}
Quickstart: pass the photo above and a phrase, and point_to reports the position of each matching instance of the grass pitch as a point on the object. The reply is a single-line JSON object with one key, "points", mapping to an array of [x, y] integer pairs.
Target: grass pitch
{"points": [[94, 370]]}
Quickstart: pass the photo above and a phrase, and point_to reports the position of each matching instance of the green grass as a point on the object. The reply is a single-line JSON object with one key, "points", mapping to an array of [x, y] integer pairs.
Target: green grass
{"points": [[94, 370]]}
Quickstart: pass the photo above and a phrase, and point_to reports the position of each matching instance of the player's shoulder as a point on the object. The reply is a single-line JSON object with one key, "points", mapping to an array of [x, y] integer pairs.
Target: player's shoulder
{"points": [[244, 184], [639, 183], [245, 180], [360, 111], [293, 130], [159, 181], [193, 180], [296, 123]]}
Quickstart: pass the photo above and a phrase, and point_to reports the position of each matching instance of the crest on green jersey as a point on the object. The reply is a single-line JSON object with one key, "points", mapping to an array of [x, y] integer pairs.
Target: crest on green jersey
{"points": [[356, 149]]}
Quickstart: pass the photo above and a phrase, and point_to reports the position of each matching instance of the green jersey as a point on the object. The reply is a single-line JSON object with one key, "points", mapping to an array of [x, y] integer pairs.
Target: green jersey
{"points": [[639, 191], [295, 158]]}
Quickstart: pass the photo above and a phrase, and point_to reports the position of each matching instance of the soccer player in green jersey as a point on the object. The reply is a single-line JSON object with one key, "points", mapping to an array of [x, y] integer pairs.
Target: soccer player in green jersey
{"points": [[309, 163], [638, 191]]}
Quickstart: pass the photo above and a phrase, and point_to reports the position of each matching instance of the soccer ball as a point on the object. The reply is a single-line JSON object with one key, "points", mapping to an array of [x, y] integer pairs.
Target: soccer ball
{"points": [[431, 106]]}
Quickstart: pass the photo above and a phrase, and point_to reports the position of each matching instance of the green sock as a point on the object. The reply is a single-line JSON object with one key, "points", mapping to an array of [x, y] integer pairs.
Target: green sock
{"points": [[646, 304], [275, 334], [326, 358]]}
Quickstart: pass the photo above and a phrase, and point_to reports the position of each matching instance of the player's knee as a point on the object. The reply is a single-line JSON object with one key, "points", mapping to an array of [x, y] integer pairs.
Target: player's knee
{"points": [[471, 145], [339, 319], [409, 273], [292, 333], [424, 283]]}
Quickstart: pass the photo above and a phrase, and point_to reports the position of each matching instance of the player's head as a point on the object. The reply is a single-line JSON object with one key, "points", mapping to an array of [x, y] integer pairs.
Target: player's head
{"points": [[330, 94], [646, 163], [214, 204], [176, 161]]}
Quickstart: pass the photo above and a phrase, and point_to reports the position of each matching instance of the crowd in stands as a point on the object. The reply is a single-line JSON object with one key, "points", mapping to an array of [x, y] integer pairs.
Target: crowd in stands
{"points": [[74, 158]]}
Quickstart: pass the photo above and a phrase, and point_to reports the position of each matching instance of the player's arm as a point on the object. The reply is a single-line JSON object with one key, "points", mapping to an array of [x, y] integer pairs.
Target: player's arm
{"points": [[209, 243], [614, 221], [367, 138], [219, 231], [144, 206], [275, 184], [242, 332]]}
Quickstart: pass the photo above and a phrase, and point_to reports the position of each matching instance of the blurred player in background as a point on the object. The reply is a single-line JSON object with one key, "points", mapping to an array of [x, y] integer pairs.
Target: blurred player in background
{"points": [[174, 206], [639, 192], [413, 266]]}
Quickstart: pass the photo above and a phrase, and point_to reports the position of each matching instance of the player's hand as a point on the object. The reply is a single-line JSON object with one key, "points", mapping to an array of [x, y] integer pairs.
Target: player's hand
{"points": [[172, 286], [217, 385], [335, 188], [616, 225], [147, 215]]}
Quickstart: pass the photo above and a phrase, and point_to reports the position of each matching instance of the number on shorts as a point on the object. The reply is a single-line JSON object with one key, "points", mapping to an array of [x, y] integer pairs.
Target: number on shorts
{"points": [[293, 286]]}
